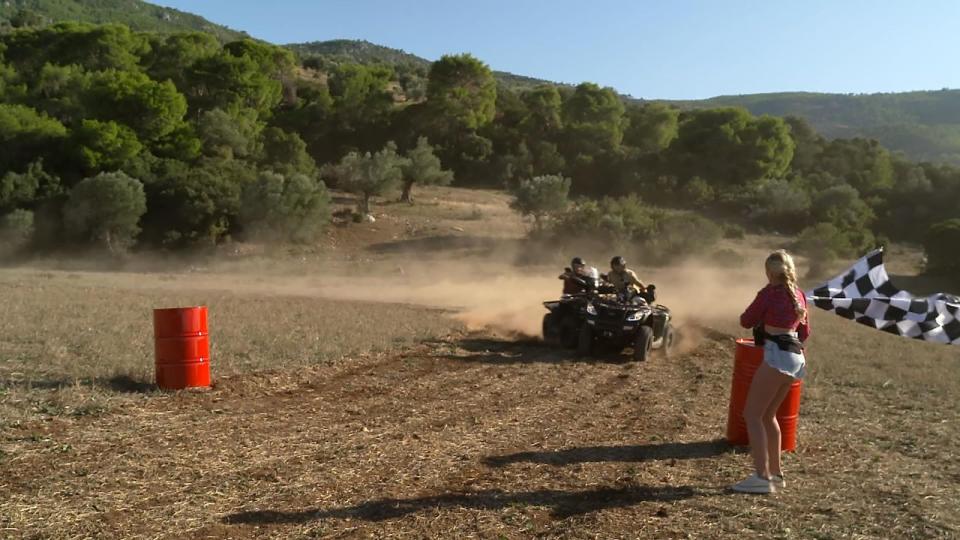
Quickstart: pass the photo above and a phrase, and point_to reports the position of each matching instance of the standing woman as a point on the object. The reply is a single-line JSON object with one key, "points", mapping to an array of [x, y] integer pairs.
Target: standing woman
{"points": [[781, 309]]}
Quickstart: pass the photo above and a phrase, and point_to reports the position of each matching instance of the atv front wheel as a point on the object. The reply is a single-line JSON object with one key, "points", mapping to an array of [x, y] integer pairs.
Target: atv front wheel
{"points": [[550, 329], [585, 342], [641, 346], [569, 335]]}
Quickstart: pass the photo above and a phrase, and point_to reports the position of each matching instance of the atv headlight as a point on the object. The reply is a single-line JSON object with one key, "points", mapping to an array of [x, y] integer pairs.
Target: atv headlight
{"points": [[551, 305], [591, 310], [635, 316]]}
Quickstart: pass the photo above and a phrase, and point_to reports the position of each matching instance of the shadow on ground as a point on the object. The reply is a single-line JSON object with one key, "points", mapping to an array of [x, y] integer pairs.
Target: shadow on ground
{"points": [[525, 350], [629, 453], [563, 504], [431, 244], [124, 384]]}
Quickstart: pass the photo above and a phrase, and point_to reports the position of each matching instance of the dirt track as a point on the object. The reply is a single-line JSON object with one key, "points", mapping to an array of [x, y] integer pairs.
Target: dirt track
{"points": [[472, 436], [463, 437]]}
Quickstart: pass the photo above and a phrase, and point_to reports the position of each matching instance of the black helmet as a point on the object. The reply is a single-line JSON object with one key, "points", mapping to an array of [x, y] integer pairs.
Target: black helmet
{"points": [[618, 261], [577, 261]]}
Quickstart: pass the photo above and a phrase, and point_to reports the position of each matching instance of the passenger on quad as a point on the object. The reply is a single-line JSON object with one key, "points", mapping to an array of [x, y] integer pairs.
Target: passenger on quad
{"points": [[578, 277], [626, 282]]}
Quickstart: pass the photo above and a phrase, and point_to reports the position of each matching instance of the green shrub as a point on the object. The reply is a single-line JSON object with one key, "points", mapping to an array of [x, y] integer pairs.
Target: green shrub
{"points": [[781, 205], [698, 193], [726, 257], [942, 244], [732, 231], [628, 225], [679, 236], [106, 208], [540, 197], [293, 207], [609, 222], [16, 230], [199, 205], [824, 243]]}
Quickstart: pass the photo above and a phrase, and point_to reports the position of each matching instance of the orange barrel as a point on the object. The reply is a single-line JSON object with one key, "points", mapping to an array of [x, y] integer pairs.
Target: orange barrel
{"points": [[181, 347], [746, 361]]}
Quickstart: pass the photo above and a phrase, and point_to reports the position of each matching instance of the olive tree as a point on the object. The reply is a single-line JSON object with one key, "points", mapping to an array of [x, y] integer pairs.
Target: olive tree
{"points": [[541, 196], [423, 167], [106, 208]]}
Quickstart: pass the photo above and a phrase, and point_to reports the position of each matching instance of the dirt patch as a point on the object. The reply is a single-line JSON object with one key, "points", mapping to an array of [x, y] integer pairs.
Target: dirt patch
{"points": [[366, 390], [474, 436]]}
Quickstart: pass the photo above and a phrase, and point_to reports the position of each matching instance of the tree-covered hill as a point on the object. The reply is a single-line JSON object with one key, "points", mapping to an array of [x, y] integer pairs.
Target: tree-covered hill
{"points": [[340, 51], [136, 14], [357, 52], [115, 137], [923, 125]]}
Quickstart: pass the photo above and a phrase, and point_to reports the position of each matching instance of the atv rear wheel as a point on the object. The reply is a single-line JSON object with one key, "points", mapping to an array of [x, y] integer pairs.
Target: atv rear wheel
{"points": [[669, 339], [551, 330], [641, 346], [585, 341]]}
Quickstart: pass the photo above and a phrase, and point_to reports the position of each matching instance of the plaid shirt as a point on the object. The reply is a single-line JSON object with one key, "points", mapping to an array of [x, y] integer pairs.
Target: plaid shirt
{"points": [[773, 307]]}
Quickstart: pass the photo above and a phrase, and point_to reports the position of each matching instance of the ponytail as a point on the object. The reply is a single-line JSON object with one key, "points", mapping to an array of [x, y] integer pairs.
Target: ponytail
{"points": [[781, 264]]}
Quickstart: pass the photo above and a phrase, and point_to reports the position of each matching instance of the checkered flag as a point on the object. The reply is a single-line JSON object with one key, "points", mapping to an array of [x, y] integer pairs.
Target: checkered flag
{"points": [[865, 294]]}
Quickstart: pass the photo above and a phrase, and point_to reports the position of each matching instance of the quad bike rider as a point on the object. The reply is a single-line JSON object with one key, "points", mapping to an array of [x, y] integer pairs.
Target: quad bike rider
{"points": [[625, 280], [562, 324], [627, 318]]}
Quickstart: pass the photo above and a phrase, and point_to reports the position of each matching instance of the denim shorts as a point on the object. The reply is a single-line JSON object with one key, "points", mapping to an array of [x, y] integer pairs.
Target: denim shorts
{"points": [[785, 362]]}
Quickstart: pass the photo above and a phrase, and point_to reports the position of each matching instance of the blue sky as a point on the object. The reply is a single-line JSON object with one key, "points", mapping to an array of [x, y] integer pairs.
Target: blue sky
{"points": [[676, 49]]}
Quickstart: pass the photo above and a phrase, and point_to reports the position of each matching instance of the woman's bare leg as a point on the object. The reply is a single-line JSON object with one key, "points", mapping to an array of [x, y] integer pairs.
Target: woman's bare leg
{"points": [[766, 386], [772, 427]]}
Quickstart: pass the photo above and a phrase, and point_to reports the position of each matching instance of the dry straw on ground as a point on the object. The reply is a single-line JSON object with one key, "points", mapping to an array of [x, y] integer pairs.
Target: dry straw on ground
{"points": [[355, 418]]}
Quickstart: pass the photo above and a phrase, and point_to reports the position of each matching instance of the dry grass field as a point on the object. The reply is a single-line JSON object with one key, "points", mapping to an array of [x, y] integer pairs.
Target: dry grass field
{"points": [[382, 386]]}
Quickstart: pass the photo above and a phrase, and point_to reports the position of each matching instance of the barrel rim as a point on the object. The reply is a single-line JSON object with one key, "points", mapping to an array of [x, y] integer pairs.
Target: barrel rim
{"points": [[173, 309]]}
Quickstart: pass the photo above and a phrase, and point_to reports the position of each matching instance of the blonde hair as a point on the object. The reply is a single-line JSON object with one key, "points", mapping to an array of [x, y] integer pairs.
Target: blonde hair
{"points": [[780, 265]]}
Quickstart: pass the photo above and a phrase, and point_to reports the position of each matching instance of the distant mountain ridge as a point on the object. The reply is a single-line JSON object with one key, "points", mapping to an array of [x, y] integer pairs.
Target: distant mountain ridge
{"points": [[136, 14], [924, 125], [364, 52]]}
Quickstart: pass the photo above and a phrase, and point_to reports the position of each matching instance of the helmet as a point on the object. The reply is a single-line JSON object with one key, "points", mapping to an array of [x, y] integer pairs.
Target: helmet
{"points": [[577, 261], [618, 261]]}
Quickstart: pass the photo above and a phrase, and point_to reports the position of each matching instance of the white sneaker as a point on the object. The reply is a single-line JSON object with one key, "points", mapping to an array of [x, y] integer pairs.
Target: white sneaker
{"points": [[754, 484], [778, 482]]}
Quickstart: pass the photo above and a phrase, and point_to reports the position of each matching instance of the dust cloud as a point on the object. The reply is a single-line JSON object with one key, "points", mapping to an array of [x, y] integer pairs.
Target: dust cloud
{"points": [[491, 294], [509, 300]]}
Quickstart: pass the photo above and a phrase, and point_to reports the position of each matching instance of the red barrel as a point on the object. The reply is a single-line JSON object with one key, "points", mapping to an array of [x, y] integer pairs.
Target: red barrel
{"points": [[182, 348], [746, 361]]}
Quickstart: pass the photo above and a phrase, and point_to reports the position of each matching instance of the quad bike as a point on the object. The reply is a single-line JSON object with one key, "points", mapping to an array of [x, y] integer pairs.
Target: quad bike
{"points": [[619, 321]]}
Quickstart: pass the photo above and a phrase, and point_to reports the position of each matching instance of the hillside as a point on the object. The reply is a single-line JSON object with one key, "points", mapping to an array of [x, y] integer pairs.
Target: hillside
{"points": [[364, 52], [136, 14], [430, 426], [358, 51], [923, 125]]}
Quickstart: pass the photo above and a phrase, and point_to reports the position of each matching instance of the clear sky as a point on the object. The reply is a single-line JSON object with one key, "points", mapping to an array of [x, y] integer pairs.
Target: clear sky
{"points": [[672, 49]]}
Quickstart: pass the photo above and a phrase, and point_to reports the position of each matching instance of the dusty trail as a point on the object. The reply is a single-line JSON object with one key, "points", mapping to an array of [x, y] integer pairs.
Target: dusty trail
{"points": [[478, 435], [468, 436], [453, 437]]}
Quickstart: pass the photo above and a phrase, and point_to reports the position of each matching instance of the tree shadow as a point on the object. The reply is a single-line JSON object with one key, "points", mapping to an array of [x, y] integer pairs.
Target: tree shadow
{"points": [[124, 384], [525, 350], [127, 385], [627, 453], [431, 244], [563, 504]]}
